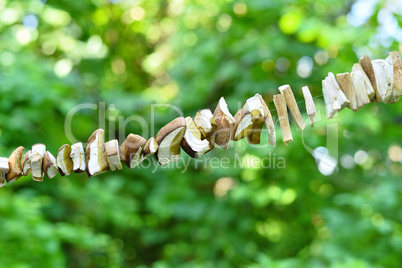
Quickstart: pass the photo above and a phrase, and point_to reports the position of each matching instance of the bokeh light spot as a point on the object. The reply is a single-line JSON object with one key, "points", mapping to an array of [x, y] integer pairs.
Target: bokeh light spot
{"points": [[305, 66], [347, 161], [395, 153], [361, 157], [137, 13], [282, 64], [30, 21], [290, 22], [63, 67], [321, 57], [224, 23], [222, 186], [240, 9]]}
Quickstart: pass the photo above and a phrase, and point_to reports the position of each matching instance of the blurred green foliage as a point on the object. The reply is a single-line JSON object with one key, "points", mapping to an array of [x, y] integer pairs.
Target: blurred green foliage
{"points": [[133, 53]]}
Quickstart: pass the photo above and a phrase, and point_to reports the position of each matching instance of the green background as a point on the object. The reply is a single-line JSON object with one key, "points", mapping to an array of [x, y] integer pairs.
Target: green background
{"points": [[132, 54]]}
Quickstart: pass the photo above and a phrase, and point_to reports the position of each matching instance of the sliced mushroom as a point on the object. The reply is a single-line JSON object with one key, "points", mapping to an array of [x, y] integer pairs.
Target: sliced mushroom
{"points": [[192, 142], [332, 105], [260, 114], [64, 161], [4, 169], [368, 68], [204, 120], [26, 163], [359, 87], [280, 104], [77, 155], [97, 162], [369, 87], [395, 60], [50, 165], [346, 83], [150, 147], [384, 75], [343, 101], [169, 139], [310, 106], [225, 124], [113, 155], [14, 162], [258, 121], [37, 154], [243, 126], [131, 150], [292, 104]]}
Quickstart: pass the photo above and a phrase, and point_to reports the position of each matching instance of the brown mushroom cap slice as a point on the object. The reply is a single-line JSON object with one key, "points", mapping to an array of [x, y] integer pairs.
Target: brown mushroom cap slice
{"points": [[14, 162], [131, 149], [225, 124], [169, 139], [97, 162], [50, 165], [113, 155], [367, 66], [150, 147]]}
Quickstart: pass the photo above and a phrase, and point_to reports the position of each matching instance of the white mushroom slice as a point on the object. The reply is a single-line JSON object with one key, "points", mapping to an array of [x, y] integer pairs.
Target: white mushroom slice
{"points": [[360, 89], [37, 154], [395, 60], [50, 165], [384, 75], [310, 107], [77, 155], [204, 120], [343, 101], [192, 142], [369, 87], [113, 155], [332, 105]]}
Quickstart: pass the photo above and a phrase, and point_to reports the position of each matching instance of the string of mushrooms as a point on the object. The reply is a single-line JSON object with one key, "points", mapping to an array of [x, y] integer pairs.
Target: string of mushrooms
{"points": [[369, 81]]}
